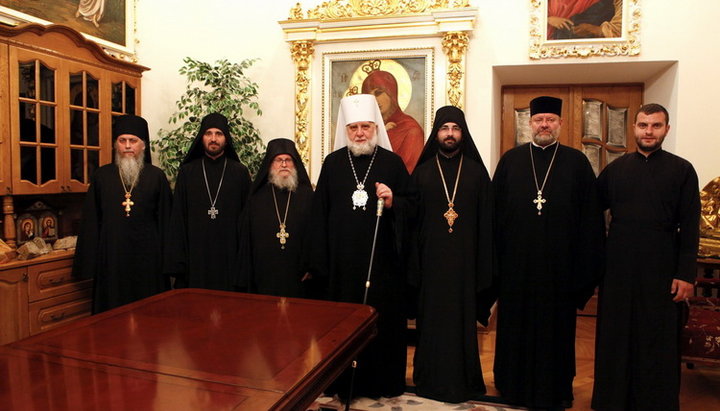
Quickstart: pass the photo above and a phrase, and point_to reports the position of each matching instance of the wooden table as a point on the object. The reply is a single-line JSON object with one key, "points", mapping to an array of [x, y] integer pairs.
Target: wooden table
{"points": [[188, 349]]}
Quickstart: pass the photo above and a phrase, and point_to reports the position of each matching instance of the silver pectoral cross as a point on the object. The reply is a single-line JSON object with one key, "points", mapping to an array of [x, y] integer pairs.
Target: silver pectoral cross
{"points": [[539, 201], [213, 212]]}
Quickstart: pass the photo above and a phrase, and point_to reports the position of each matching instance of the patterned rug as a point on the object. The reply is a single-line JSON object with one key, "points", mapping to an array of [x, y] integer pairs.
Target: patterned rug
{"points": [[406, 402]]}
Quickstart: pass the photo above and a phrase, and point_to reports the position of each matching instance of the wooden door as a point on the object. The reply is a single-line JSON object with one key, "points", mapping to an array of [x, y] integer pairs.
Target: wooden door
{"points": [[597, 119]]}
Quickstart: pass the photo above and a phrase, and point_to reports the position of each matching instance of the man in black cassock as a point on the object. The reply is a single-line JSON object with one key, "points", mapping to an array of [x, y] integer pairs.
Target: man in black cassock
{"points": [[125, 215], [352, 178], [652, 246], [274, 224], [452, 260], [548, 236], [211, 189]]}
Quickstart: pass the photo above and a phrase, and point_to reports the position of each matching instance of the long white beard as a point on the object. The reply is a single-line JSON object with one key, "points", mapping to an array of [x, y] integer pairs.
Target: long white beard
{"points": [[289, 182], [359, 149], [130, 167]]}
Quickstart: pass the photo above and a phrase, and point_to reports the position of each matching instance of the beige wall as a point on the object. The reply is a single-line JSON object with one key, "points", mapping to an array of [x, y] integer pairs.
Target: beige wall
{"points": [[678, 64]]}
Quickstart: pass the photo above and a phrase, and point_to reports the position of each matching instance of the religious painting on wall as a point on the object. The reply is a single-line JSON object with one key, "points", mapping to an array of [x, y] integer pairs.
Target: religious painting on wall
{"points": [[109, 23], [582, 28], [401, 81]]}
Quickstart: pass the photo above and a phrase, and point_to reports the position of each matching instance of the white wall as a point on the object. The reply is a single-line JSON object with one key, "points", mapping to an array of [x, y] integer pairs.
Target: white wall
{"points": [[678, 64]]}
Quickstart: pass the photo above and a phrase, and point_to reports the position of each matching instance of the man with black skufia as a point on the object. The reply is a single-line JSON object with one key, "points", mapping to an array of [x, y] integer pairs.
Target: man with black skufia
{"points": [[452, 260], [652, 247], [360, 170], [274, 223], [211, 189], [125, 218], [548, 236]]}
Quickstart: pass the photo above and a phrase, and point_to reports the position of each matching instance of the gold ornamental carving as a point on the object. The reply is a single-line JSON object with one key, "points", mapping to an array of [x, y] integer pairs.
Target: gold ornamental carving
{"points": [[710, 219], [341, 9], [455, 44], [302, 52]]}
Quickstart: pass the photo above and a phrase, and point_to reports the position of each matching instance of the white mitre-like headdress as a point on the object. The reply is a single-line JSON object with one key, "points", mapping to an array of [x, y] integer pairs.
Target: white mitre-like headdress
{"points": [[360, 107]]}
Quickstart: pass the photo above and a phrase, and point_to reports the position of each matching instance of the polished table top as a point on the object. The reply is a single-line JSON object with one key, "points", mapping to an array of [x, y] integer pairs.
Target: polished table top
{"points": [[188, 349]]}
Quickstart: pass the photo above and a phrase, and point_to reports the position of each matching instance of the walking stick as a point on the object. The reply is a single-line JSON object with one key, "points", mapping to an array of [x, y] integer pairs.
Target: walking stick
{"points": [[378, 213]]}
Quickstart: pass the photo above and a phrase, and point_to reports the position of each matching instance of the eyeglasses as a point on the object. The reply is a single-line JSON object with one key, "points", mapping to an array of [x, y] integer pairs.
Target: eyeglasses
{"points": [[448, 128], [283, 161]]}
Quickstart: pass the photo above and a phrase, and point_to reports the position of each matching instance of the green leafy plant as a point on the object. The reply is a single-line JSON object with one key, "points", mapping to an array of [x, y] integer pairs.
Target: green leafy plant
{"points": [[222, 88]]}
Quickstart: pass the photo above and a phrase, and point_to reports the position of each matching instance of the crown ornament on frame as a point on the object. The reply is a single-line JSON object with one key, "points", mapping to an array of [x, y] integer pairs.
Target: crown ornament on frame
{"points": [[337, 9]]}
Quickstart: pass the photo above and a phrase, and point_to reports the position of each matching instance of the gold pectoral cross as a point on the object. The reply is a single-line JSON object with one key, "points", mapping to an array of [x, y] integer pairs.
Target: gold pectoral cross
{"points": [[450, 215], [127, 204], [283, 236], [539, 201]]}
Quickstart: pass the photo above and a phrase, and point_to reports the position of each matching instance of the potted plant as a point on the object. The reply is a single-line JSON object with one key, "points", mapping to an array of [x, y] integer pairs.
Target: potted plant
{"points": [[223, 88]]}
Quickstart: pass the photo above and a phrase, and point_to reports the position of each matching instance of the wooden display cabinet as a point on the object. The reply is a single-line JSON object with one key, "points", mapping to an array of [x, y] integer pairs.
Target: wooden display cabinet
{"points": [[59, 95], [41, 294]]}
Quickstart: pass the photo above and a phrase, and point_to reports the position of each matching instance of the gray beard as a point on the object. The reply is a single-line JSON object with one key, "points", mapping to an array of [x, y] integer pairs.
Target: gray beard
{"points": [[359, 149], [130, 167], [289, 183]]}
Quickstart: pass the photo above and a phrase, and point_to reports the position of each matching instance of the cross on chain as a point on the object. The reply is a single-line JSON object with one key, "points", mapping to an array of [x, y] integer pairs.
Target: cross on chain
{"points": [[213, 212], [539, 201], [283, 236], [450, 215], [127, 203]]}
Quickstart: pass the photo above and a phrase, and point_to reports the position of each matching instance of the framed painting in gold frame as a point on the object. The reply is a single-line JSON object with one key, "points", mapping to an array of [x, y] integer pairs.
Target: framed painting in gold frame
{"points": [[111, 24], [347, 73], [584, 28]]}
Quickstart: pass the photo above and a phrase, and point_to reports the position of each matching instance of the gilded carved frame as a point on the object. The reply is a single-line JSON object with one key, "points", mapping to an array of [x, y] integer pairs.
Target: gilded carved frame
{"points": [[372, 27], [620, 35]]}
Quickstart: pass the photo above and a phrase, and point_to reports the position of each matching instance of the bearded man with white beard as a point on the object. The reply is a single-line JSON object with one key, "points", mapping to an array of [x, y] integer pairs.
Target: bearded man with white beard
{"points": [[274, 222], [361, 170], [125, 216]]}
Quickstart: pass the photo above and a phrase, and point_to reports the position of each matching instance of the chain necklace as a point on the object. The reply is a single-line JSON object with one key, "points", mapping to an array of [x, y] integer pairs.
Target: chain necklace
{"points": [[212, 211], [450, 215], [360, 196], [128, 193], [539, 201], [282, 234]]}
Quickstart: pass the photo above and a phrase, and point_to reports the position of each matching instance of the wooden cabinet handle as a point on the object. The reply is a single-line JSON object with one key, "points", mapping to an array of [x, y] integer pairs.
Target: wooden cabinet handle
{"points": [[57, 317], [56, 281]]}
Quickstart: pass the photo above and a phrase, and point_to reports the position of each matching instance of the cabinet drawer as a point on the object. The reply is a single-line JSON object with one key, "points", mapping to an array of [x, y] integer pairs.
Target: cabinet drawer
{"points": [[52, 279], [52, 312]]}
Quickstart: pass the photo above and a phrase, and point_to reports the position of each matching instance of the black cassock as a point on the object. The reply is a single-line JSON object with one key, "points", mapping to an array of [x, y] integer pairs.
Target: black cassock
{"points": [[653, 239], [341, 244], [203, 250], [549, 265], [452, 269], [122, 253], [268, 268]]}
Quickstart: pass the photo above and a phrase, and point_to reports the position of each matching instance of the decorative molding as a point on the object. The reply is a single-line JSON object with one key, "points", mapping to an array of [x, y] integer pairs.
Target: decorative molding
{"points": [[302, 52], [455, 44], [343, 9], [627, 42]]}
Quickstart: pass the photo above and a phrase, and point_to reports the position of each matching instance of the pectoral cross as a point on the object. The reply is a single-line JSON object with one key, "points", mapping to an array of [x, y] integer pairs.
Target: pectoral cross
{"points": [[213, 212], [539, 201], [283, 236], [450, 215], [127, 204]]}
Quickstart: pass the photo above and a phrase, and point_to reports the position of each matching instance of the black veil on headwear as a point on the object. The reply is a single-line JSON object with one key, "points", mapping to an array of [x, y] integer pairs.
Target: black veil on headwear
{"points": [[450, 114], [212, 120], [275, 147], [136, 126]]}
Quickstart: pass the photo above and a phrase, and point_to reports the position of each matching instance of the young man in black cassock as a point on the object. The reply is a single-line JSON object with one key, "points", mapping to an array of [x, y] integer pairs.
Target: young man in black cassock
{"points": [[211, 189], [549, 231], [652, 247], [274, 225], [352, 178], [124, 222], [452, 260]]}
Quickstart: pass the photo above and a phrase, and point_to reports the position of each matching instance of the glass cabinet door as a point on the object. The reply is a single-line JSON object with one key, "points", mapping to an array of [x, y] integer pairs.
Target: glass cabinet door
{"points": [[38, 126], [85, 128]]}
